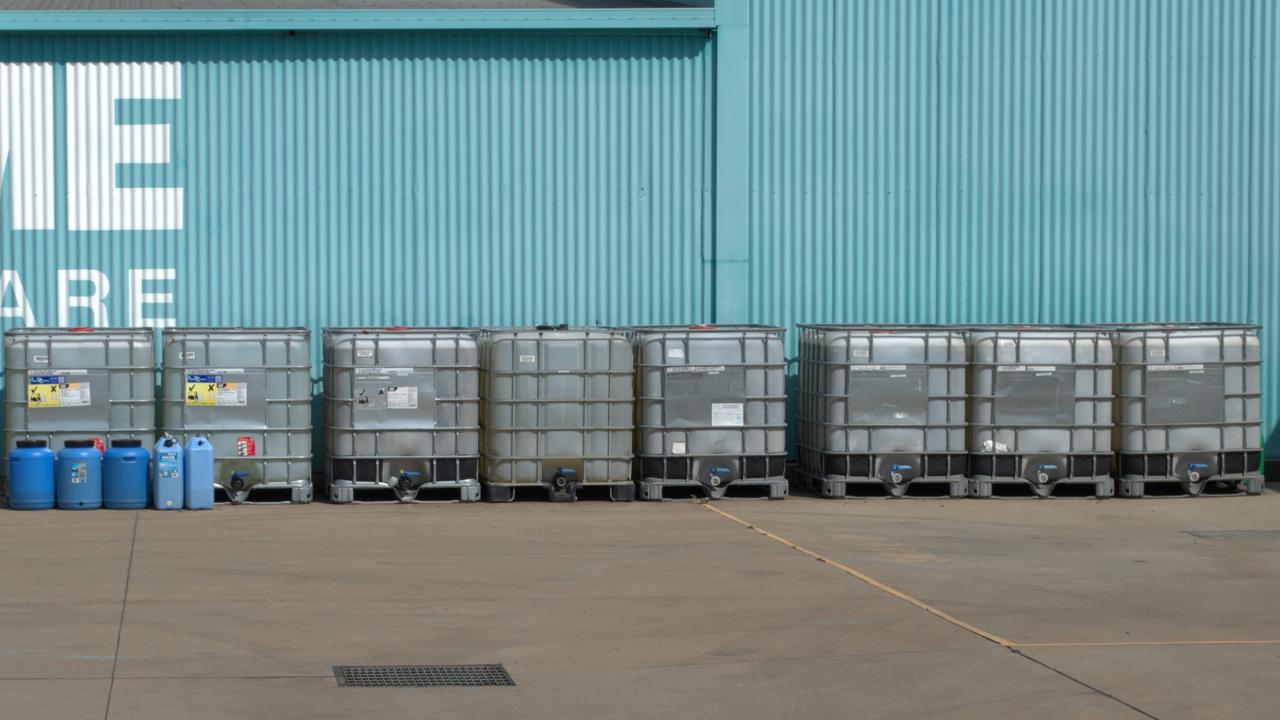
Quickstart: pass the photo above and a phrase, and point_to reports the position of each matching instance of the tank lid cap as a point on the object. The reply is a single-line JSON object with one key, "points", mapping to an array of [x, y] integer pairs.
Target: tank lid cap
{"points": [[80, 329], [126, 443], [78, 444], [704, 326], [396, 328], [561, 326], [32, 444]]}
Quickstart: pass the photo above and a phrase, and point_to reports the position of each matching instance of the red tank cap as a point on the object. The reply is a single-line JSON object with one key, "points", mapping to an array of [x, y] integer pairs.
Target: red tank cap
{"points": [[704, 326], [80, 329], [395, 328]]}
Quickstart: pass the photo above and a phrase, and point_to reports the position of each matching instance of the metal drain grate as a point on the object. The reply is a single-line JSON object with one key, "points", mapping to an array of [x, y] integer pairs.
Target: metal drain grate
{"points": [[421, 675], [1235, 534]]}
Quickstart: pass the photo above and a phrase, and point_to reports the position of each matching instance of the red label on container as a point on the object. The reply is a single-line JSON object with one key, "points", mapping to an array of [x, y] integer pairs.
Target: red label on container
{"points": [[98, 443], [246, 447]]}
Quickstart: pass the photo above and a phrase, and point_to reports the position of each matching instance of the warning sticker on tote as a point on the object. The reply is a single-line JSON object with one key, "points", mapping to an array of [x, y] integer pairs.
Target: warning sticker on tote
{"points": [[402, 398], [726, 415], [211, 389], [58, 389]]}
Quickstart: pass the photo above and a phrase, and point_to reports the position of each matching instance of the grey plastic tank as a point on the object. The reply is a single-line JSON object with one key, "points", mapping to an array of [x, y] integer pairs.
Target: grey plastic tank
{"points": [[711, 408], [402, 411], [94, 384], [556, 411], [882, 405], [1190, 406], [248, 390], [1040, 404]]}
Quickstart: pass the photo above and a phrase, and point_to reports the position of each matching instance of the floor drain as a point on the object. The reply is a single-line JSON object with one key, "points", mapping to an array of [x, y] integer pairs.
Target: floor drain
{"points": [[421, 675], [1235, 534]]}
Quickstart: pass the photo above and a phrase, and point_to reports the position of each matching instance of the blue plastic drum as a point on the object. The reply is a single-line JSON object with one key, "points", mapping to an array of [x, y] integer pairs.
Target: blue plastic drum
{"points": [[78, 482], [124, 475], [31, 476]]}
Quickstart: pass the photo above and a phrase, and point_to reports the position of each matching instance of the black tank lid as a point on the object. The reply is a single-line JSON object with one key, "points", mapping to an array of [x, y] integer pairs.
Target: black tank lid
{"points": [[78, 444], [126, 443], [32, 444]]}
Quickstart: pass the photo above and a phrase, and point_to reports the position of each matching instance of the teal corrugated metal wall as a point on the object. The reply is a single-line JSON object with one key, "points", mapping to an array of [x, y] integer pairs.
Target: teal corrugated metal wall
{"points": [[416, 178], [1012, 160], [910, 160]]}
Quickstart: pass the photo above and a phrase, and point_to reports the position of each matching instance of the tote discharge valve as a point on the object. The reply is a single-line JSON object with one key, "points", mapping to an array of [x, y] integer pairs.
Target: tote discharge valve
{"points": [[711, 408], [249, 392], [402, 411]]}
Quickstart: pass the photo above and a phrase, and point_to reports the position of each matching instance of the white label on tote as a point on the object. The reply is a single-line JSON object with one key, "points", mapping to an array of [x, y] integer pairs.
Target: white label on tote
{"points": [[679, 447], [726, 414], [1176, 368], [890, 368], [1028, 368], [675, 353], [402, 398], [528, 358], [388, 372]]}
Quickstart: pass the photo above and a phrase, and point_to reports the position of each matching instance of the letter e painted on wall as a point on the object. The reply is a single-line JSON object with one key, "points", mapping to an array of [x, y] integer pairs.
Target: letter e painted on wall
{"points": [[97, 142]]}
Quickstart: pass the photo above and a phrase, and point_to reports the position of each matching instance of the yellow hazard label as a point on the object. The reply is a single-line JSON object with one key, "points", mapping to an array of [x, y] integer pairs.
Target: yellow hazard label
{"points": [[210, 391], [53, 391], [44, 396], [202, 394]]}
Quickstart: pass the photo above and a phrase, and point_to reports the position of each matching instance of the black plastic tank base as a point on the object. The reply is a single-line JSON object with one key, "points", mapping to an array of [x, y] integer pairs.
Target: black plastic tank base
{"points": [[1043, 474], [1195, 474]]}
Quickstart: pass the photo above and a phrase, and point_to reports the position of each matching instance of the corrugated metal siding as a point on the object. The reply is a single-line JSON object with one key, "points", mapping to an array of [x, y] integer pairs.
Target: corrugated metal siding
{"points": [[1002, 160], [389, 178]]}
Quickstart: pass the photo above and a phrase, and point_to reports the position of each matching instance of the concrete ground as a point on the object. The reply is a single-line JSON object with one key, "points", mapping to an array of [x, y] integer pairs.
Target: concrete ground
{"points": [[1066, 608]]}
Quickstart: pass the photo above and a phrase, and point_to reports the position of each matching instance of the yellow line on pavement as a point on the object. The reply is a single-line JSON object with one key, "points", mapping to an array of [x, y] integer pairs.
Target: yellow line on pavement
{"points": [[1143, 643], [867, 579]]}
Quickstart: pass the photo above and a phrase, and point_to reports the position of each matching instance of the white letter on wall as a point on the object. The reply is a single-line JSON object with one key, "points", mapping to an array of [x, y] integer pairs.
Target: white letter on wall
{"points": [[96, 144], [21, 305], [138, 297], [26, 142], [93, 301]]}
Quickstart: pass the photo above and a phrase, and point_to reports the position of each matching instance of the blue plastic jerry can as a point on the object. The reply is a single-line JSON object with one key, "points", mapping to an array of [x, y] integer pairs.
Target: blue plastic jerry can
{"points": [[197, 459], [166, 481]]}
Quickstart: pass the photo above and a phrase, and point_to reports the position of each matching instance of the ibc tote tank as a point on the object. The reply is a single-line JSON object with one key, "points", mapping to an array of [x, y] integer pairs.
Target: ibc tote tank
{"points": [[711, 408], [402, 411], [882, 405], [557, 410], [1040, 403], [94, 384], [248, 390], [1190, 406]]}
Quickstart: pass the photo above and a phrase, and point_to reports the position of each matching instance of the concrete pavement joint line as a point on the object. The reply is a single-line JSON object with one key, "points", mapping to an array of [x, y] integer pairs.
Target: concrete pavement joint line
{"points": [[124, 602], [990, 637], [1084, 684], [1006, 644]]}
